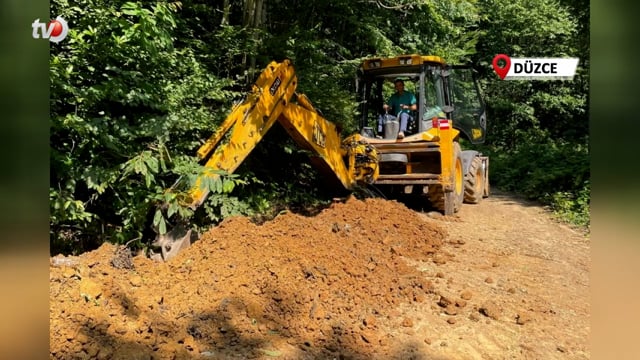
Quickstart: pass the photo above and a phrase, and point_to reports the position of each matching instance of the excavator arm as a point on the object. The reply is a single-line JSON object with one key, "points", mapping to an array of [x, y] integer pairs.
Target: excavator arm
{"points": [[347, 162], [246, 125]]}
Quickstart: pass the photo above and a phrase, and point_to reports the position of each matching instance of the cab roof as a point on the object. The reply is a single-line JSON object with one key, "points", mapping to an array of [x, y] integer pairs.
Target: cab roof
{"points": [[396, 63]]}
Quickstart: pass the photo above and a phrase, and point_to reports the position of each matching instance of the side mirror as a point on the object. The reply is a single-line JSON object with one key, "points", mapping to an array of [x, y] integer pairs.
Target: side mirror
{"points": [[447, 109]]}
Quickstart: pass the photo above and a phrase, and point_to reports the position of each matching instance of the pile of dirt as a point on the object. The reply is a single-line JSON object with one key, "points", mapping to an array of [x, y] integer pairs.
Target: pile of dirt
{"points": [[295, 287]]}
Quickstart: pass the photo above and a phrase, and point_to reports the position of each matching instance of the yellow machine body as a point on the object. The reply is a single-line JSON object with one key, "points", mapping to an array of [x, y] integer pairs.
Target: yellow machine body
{"points": [[433, 157]]}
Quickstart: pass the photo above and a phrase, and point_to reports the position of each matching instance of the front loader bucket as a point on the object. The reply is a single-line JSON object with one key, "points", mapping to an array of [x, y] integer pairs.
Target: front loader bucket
{"points": [[171, 243]]}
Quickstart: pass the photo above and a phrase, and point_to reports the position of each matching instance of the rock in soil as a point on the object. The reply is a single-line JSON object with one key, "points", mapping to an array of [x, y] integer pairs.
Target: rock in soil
{"points": [[122, 258], [490, 309]]}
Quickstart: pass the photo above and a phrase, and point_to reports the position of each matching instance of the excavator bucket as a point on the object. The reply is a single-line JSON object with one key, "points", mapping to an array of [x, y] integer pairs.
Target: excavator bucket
{"points": [[168, 245]]}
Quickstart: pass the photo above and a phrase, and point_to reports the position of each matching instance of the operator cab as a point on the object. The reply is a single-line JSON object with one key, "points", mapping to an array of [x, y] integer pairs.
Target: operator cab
{"points": [[441, 91]]}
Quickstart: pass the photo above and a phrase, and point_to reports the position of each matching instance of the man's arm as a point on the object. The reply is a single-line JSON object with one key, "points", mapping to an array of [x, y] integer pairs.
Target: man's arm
{"points": [[412, 105], [389, 105]]}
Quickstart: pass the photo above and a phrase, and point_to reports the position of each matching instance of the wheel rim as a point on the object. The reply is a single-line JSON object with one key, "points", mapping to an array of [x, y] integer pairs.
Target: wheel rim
{"points": [[458, 179]]}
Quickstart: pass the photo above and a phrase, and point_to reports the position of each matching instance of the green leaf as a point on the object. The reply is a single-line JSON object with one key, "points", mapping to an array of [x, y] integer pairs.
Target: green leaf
{"points": [[157, 217], [139, 167], [227, 186], [130, 8], [172, 210], [163, 226], [147, 179]]}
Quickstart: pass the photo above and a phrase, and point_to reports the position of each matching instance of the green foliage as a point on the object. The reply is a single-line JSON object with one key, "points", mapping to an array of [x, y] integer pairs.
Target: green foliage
{"points": [[542, 167], [557, 173], [537, 131], [124, 98], [573, 207]]}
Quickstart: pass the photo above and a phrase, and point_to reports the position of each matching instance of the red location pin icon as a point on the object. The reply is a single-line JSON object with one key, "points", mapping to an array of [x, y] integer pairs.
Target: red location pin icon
{"points": [[502, 71]]}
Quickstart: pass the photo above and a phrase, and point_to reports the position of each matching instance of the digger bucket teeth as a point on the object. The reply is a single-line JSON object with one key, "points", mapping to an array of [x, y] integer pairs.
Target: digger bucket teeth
{"points": [[171, 243]]}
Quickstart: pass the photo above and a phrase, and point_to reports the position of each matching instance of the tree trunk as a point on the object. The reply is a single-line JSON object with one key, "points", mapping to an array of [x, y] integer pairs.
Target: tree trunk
{"points": [[253, 20], [226, 11]]}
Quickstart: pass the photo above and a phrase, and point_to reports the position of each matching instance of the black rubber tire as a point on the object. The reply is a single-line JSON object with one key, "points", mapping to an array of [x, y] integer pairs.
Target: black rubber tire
{"points": [[449, 202], [436, 197], [474, 185]]}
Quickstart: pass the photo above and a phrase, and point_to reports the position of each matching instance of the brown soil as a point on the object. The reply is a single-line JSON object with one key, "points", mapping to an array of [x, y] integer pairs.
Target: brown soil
{"points": [[361, 280]]}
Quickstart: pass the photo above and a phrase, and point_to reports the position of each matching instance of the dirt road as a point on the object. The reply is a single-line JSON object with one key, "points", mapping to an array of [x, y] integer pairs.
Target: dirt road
{"points": [[360, 280], [529, 280]]}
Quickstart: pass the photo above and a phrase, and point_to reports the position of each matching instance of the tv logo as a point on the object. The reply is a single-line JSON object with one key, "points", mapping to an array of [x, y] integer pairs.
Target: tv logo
{"points": [[56, 31]]}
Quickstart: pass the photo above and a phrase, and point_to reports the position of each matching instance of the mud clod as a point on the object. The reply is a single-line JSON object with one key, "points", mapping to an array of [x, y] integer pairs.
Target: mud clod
{"points": [[491, 310], [523, 317], [122, 259], [407, 322]]}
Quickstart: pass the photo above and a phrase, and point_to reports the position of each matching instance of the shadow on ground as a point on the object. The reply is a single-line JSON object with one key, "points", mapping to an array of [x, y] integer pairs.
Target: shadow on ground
{"points": [[230, 330]]}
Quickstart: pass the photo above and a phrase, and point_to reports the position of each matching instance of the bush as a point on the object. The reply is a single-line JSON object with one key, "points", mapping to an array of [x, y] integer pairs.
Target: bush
{"points": [[572, 207], [553, 172]]}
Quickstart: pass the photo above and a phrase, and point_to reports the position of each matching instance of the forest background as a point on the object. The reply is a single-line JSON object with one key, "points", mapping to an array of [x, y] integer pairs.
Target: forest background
{"points": [[136, 87]]}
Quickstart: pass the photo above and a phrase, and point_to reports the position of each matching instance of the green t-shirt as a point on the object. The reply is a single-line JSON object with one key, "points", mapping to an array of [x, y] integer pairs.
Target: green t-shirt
{"points": [[407, 98]]}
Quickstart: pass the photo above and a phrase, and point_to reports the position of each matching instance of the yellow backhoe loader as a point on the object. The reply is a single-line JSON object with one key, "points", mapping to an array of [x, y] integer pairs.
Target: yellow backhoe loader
{"points": [[428, 162]]}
